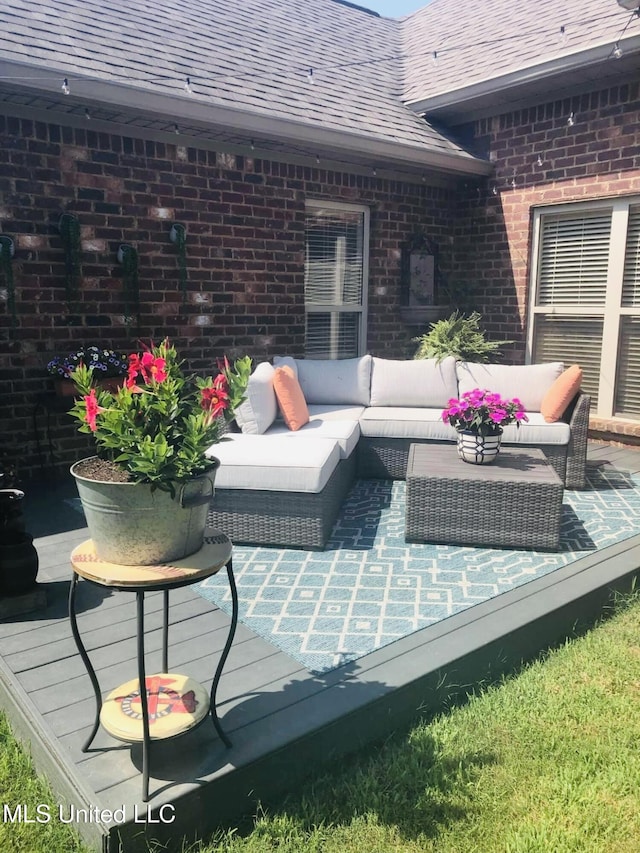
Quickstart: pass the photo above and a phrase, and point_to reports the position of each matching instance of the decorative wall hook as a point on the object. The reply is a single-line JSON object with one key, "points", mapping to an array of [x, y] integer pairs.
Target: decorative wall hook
{"points": [[69, 228], [128, 257], [7, 251], [178, 235]]}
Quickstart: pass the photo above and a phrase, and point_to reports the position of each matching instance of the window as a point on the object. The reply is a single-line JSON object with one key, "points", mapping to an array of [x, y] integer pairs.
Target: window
{"points": [[586, 299], [335, 281]]}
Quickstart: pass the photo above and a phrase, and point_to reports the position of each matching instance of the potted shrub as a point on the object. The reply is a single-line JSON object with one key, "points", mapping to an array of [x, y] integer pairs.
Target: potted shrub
{"points": [[107, 366], [146, 492], [18, 556], [459, 336]]}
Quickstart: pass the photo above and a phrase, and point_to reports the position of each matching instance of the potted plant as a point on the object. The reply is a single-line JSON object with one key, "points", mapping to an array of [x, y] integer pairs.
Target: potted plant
{"points": [[18, 556], [108, 368], [460, 336], [152, 474], [478, 416]]}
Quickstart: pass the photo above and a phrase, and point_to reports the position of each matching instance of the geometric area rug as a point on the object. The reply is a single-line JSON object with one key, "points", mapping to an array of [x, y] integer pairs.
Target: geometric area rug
{"points": [[369, 587]]}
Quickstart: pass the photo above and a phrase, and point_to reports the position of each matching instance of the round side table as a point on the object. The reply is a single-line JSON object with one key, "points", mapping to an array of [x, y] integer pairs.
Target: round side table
{"points": [[172, 704]]}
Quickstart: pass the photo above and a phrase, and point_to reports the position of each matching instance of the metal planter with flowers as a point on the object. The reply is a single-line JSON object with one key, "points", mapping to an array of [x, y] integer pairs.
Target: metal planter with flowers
{"points": [[478, 416], [147, 491]]}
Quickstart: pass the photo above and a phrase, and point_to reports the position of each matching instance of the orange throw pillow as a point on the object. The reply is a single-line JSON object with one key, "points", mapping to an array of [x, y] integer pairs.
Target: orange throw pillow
{"points": [[561, 393], [290, 398]]}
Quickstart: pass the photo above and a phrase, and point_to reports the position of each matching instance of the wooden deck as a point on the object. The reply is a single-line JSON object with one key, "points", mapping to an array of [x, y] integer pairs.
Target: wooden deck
{"points": [[283, 721]]}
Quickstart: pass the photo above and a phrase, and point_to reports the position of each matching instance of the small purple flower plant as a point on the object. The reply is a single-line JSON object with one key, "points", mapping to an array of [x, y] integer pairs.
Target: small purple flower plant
{"points": [[483, 412], [105, 362]]}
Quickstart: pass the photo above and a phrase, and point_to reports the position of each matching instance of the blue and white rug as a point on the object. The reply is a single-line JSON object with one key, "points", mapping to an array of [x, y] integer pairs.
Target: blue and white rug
{"points": [[369, 587]]}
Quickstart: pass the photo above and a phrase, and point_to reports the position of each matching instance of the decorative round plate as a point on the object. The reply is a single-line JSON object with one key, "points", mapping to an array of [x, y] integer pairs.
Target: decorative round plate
{"points": [[175, 702]]}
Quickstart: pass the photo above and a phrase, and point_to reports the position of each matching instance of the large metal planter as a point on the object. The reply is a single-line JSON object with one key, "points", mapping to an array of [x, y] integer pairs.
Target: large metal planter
{"points": [[133, 526]]}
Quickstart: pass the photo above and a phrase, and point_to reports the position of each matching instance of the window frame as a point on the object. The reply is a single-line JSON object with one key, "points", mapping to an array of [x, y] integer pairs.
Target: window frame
{"points": [[611, 311], [346, 308]]}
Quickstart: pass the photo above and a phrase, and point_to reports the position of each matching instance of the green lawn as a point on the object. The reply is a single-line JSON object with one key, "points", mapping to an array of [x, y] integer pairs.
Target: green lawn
{"points": [[548, 762]]}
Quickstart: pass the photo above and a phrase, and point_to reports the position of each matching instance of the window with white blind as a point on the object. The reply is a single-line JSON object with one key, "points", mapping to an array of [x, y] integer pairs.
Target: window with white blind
{"points": [[335, 281], [586, 298]]}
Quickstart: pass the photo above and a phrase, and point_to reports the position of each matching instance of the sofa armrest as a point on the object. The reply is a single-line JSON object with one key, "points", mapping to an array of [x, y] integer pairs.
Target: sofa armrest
{"points": [[577, 416]]}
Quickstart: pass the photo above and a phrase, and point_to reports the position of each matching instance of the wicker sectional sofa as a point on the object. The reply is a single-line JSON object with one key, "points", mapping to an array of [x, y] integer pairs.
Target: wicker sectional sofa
{"points": [[281, 487]]}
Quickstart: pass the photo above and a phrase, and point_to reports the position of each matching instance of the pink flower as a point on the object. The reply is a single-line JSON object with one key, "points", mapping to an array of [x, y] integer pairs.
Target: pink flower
{"points": [[498, 415], [92, 410], [153, 368], [214, 401], [150, 368]]}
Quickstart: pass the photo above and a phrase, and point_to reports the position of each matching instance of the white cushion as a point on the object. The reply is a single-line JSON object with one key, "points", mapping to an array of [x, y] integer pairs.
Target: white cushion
{"points": [[274, 463], [526, 382], [537, 431], [260, 408], [405, 422], [399, 422], [421, 382], [346, 433], [286, 361], [339, 380], [326, 412]]}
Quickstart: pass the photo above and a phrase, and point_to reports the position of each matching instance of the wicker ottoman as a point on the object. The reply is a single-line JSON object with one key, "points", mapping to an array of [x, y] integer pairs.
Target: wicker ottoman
{"points": [[515, 502]]}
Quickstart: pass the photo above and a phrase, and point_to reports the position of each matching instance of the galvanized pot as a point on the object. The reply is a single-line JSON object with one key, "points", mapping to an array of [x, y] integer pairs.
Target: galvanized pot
{"points": [[134, 526]]}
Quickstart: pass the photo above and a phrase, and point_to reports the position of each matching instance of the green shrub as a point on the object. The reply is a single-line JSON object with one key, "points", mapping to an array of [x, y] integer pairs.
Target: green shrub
{"points": [[459, 336]]}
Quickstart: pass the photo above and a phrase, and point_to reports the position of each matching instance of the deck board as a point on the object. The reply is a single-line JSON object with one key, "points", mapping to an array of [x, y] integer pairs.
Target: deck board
{"points": [[283, 721]]}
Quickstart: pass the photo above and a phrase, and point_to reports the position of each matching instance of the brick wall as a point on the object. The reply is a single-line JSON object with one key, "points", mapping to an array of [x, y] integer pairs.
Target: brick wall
{"points": [[595, 157], [245, 257]]}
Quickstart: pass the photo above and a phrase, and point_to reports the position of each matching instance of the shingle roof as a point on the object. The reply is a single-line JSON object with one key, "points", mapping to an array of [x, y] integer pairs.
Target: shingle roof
{"points": [[478, 42], [249, 56]]}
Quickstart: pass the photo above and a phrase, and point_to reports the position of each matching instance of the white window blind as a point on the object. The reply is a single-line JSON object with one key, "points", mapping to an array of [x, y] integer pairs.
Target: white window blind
{"points": [[337, 334], [627, 398], [585, 304], [573, 340], [631, 280], [573, 260], [335, 280]]}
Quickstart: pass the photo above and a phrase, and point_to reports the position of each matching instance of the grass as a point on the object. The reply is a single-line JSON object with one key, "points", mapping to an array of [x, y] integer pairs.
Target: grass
{"points": [[547, 762], [19, 785]]}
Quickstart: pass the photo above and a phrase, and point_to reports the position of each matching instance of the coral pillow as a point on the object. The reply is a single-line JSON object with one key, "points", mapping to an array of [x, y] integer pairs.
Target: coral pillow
{"points": [[290, 398], [561, 393]]}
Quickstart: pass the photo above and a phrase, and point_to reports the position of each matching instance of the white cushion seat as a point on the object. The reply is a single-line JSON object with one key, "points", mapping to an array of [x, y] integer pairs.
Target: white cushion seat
{"points": [[405, 422], [537, 431], [346, 433], [275, 463], [327, 412]]}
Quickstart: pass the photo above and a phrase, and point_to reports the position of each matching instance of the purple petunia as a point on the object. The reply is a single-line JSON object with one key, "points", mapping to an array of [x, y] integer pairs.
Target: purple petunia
{"points": [[483, 412]]}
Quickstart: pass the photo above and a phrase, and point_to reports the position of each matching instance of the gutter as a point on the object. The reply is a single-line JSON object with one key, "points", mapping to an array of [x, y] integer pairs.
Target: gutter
{"points": [[194, 108], [523, 76]]}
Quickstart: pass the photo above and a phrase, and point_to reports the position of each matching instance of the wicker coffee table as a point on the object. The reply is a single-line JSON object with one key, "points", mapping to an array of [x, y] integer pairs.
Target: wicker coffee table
{"points": [[515, 502]]}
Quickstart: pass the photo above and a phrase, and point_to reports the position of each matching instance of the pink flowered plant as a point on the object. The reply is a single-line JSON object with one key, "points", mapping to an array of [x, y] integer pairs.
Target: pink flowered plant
{"points": [[159, 424], [483, 412]]}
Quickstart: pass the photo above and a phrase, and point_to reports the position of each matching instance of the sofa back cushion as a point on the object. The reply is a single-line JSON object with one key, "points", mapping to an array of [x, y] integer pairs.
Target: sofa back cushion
{"points": [[526, 382], [421, 382], [260, 408], [339, 381]]}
